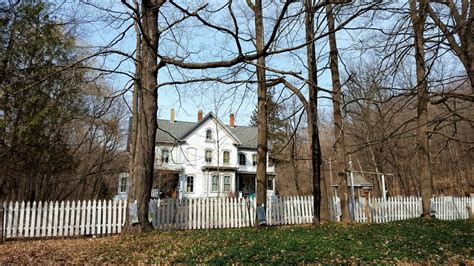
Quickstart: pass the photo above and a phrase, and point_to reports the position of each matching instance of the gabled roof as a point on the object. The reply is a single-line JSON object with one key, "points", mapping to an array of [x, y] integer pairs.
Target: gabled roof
{"points": [[210, 115], [170, 132]]}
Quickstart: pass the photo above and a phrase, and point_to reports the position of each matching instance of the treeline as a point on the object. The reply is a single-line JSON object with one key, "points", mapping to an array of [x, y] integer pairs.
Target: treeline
{"points": [[60, 126]]}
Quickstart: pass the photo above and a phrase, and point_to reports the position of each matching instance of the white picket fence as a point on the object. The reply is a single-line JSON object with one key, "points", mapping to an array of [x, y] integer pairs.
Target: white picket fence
{"points": [[401, 208], [203, 213], [207, 213], [52, 219]]}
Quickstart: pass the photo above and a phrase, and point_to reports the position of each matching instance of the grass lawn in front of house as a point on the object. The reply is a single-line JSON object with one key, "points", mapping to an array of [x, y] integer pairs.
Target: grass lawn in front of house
{"points": [[404, 241]]}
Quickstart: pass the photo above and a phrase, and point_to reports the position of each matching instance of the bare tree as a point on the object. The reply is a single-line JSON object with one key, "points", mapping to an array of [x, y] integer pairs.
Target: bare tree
{"points": [[418, 18], [339, 145]]}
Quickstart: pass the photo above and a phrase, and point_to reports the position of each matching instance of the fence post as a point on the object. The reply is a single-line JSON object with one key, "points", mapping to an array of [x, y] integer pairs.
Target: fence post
{"points": [[367, 212], [2, 219]]}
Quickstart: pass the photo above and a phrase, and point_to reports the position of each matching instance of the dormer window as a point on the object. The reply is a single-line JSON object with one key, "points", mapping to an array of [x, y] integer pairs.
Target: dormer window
{"points": [[254, 159], [242, 159], [209, 134], [165, 156]]}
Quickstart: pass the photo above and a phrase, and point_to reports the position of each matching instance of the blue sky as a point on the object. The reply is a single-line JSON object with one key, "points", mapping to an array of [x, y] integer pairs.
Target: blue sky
{"points": [[187, 99], [207, 45]]}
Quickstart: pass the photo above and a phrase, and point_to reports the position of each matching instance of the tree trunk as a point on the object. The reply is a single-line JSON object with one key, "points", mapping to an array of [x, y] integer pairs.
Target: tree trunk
{"points": [[321, 211], [136, 89], [143, 165], [262, 109], [339, 146], [418, 17], [470, 46]]}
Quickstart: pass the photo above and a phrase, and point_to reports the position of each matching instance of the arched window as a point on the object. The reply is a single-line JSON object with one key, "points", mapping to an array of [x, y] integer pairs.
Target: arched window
{"points": [[190, 184], [242, 159], [226, 158], [209, 134], [165, 156], [254, 159], [208, 156]]}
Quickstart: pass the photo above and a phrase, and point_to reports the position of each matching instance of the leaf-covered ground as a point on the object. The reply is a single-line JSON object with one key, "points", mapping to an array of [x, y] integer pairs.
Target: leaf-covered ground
{"points": [[407, 241]]}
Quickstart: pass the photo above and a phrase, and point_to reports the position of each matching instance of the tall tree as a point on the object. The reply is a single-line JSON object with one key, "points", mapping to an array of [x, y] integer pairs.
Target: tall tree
{"points": [[312, 81], [418, 14], [144, 149], [339, 145], [262, 145]]}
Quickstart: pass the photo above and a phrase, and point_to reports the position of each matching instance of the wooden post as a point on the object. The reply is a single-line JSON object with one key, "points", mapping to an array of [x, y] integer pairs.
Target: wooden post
{"points": [[2, 225], [367, 212], [470, 214]]}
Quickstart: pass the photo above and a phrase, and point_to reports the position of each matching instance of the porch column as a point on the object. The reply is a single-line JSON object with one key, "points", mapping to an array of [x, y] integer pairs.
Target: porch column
{"points": [[181, 185], [236, 184]]}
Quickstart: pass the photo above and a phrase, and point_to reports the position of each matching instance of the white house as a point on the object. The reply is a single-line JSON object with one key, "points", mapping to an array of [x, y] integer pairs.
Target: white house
{"points": [[205, 158]]}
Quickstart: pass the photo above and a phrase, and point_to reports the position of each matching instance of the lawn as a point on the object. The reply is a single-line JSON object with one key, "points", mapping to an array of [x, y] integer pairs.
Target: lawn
{"points": [[406, 241]]}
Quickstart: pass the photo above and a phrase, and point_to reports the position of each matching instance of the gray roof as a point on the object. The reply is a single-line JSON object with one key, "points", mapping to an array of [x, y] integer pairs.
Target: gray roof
{"points": [[359, 181], [246, 135], [171, 132]]}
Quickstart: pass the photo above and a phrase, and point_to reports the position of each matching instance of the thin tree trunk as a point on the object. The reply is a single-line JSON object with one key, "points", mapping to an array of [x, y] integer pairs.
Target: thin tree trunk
{"points": [[136, 89], [418, 17], [143, 168], [262, 107], [319, 206], [339, 146]]}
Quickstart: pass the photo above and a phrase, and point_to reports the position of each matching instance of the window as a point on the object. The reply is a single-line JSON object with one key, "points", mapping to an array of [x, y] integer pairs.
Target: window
{"points": [[123, 182], [165, 156], [209, 134], [190, 184], [208, 156], [226, 183], [242, 159], [226, 158], [254, 159], [270, 183], [215, 183]]}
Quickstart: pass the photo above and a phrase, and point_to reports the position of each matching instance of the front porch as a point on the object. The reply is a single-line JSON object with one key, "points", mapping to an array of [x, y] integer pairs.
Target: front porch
{"points": [[246, 184]]}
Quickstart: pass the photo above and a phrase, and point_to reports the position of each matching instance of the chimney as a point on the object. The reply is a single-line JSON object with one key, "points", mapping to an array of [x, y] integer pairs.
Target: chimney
{"points": [[231, 120], [199, 115], [172, 116]]}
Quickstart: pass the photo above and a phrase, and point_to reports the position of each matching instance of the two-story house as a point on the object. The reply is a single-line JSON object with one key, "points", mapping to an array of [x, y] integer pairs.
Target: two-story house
{"points": [[206, 158]]}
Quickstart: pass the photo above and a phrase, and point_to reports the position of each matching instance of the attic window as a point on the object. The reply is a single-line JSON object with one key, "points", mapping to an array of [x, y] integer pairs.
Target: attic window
{"points": [[209, 134]]}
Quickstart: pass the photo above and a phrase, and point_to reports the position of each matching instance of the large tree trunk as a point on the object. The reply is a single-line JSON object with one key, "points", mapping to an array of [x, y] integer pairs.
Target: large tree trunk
{"points": [[321, 211], [339, 146], [144, 155], [262, 109], [418, 17]]}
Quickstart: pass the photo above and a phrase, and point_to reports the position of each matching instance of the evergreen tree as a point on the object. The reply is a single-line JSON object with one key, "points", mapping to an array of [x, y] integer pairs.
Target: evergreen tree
{"points": [[275, 122]]}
